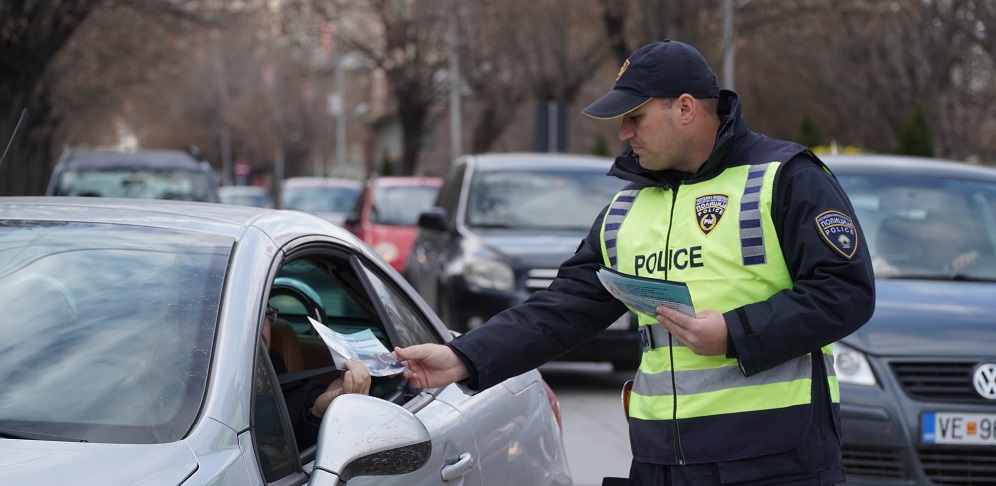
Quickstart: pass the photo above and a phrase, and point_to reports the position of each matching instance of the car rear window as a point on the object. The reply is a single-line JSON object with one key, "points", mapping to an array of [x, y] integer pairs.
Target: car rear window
{"points": [[556, 199], [107, 330], [186, 185], [926, 227], [401, 205]]}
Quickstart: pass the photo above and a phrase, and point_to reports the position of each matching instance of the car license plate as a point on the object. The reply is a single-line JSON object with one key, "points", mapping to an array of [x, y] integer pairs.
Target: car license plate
{"points": [[959, 428]]}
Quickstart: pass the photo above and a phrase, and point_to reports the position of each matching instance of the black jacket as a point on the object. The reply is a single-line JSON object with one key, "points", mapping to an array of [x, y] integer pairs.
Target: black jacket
{"points": [[831, 294]]}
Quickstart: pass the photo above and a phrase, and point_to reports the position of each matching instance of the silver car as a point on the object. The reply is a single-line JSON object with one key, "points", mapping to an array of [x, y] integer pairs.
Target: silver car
{"points": [[131, 353]]}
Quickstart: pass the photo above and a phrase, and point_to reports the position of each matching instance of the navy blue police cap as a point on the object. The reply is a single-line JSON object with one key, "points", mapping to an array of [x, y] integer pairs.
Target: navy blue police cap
{"points": [[665, 69]]}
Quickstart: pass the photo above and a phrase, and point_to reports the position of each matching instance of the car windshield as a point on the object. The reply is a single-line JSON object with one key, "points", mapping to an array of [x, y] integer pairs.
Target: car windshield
{"points": [[181, 184], [926, 227], [555, 199], [401, 205], [319, 199], [107, 330]]}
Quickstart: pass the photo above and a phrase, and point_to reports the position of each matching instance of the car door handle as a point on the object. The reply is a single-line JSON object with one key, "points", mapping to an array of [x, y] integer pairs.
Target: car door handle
{"points": [[462, 466]]}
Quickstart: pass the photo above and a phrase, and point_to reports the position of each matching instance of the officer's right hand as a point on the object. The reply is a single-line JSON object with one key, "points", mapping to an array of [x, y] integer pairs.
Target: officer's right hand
{"points": [[431, 365]]}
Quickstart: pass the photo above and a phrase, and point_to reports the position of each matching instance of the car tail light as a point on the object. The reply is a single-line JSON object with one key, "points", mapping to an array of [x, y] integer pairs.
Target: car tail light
{"points": [[554, 404]]}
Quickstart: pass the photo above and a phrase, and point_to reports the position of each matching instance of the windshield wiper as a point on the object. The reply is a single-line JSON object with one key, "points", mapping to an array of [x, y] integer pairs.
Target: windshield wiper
{"points": [[20, 434]]}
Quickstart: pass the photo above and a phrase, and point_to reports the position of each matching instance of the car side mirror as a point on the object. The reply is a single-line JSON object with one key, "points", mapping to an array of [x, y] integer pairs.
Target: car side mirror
{"points": [[352, 221], [366, 436], [433, 219]]}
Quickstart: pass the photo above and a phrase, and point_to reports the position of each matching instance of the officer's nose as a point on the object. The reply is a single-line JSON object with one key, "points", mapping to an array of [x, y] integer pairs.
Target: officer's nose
{"points": [[627, 129]]}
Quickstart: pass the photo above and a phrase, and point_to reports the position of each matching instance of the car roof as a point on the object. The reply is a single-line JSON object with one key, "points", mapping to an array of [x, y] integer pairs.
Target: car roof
{"points": [[212, 218], [244, 189], [320, 182], [151, 158], [868, 164], [397, 181], [533, 161]]}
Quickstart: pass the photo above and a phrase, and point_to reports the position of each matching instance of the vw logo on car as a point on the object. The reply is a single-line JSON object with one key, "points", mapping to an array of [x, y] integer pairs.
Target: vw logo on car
{"points": [[984, 380]]}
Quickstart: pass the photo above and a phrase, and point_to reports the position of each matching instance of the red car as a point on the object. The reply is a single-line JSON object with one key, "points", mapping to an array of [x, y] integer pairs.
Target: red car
{"points": [[387, 212]]}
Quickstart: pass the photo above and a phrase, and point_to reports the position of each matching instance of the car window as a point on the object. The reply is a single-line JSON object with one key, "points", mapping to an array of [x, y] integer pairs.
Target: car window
{"points": [[120, 321], [561, 199], [449, 194], [144, 184], [926, 227], [345, 295], [271, 432], [409, 323], [400, 205], [338, 307], [320, 199]]}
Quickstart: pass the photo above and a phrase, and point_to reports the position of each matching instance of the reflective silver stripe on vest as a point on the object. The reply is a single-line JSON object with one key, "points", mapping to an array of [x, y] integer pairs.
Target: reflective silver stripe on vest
{"points": [[751, 232], [613, 221], [692, 382], [655, 335]]}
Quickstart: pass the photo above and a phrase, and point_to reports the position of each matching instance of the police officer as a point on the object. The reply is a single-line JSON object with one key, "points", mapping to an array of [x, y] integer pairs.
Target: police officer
{"points": [[761, 233]]}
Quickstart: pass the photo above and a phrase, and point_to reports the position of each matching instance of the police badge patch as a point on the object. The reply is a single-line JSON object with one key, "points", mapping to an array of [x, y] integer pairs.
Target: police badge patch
{"points": [[838, 230], [709, 209]]}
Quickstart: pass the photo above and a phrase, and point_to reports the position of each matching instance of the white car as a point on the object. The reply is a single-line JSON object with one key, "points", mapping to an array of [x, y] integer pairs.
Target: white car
{"points": [[131, 353]]}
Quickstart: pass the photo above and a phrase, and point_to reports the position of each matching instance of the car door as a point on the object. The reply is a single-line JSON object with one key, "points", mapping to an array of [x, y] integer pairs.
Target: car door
{"points": [[516, 437], [431, 248], [353, 292], [454, 455]]}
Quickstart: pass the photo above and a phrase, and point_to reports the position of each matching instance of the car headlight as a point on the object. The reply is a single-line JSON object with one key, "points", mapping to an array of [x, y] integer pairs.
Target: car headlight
{"points": [[852, 366], [388, 251], [486, 273]]}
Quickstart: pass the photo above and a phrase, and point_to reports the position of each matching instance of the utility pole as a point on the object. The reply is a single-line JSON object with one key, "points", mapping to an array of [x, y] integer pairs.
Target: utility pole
{"points": [[456, 134], [729, 53], [225, 138]]}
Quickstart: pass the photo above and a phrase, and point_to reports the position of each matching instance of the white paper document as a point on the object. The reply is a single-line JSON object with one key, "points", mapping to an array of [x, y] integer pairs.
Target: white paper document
{"points": [[363, 346], [644, 295]]}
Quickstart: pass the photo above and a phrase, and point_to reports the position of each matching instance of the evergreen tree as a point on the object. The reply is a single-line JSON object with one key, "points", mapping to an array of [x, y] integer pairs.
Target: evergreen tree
{"points": [[809, 135], [386, 166], [915, 136], [601, 146]]}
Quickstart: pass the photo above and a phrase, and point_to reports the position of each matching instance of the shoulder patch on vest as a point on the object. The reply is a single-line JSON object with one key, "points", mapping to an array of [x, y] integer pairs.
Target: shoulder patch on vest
{"points": [[709, 209], [838, 231]]}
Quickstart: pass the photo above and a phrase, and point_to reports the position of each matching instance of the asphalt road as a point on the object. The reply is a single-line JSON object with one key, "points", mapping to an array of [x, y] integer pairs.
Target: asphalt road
{"points": [[595, 433]]}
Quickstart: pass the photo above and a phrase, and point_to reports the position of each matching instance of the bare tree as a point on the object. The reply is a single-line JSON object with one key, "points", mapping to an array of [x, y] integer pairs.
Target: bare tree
{"points": [[53, 85], [861, 67], [491, 69], [406, 41]]}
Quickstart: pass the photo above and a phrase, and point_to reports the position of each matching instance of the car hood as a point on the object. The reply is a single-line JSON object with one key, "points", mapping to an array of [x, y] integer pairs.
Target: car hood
{"points": [[538, 249], [918, 318], [44, 462]]}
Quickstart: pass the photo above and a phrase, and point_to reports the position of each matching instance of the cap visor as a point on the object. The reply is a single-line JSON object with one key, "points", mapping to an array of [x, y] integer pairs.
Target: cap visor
{"points": [[614, 104]]}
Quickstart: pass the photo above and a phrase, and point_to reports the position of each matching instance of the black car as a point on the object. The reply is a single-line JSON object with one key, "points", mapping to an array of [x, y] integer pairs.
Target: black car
{"points": [[501, 226], [142, 174], [918, 381]]}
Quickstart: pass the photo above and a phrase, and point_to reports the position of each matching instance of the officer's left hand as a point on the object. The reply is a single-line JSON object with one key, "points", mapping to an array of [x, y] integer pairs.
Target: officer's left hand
{"points": [[704, 334]]}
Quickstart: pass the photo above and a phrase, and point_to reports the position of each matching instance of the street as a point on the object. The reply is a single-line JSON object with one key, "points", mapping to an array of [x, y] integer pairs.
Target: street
{"points": [[595, 434]]}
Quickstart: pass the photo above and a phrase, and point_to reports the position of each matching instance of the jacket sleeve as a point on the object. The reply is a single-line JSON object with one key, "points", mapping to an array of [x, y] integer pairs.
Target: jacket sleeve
{"points": [[573, 309], [832, 295]]}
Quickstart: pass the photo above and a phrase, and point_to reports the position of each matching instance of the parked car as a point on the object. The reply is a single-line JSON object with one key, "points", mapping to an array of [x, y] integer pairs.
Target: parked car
{"points": [[144, 174], [329, 197], [386, 214], [131, 352], [918, 381], [500, 228], [257, 196]]}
